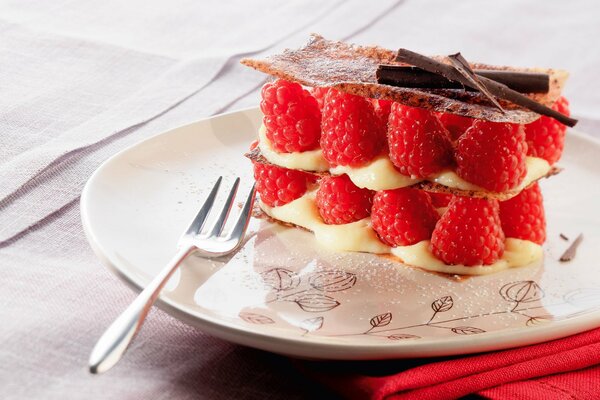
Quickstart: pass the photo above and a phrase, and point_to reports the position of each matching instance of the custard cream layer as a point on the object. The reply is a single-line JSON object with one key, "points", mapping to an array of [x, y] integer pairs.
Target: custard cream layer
{"points": [[517, 253], [312, 160], [356, 236], [360, 236], [380, 173]]}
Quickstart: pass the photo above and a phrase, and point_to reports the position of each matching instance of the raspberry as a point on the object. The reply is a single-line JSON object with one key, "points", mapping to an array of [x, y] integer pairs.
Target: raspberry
{"points": [[456, 124], [319, 94], [382, 110], [352, 133], [469, 233], [402, 217], [291, 116], [492, 155], [546, 136], [440, 199], [340, 201], [278, 186], [523, 216], [419, 144]]}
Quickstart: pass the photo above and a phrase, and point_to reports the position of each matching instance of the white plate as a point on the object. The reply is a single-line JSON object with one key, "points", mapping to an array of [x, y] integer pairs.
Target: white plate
{"points": [[284, 294]]}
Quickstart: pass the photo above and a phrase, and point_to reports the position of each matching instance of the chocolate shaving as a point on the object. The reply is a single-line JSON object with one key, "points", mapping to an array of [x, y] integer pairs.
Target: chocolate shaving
{"points": [[415, 77], [497, 89], [569, 254], [504, 92], [352, 69], [563, 237], [462, 66]]}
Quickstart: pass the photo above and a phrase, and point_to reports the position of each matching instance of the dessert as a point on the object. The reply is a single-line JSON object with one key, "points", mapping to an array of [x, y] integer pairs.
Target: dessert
{"points": [[434, 160]]}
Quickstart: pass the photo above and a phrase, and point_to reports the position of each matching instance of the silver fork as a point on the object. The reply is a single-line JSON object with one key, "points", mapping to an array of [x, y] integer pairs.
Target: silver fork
{"points": [[209, 243]]}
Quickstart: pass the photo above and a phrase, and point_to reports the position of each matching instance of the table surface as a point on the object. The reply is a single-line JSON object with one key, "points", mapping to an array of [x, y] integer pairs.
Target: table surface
{"points": [[82, 80]]}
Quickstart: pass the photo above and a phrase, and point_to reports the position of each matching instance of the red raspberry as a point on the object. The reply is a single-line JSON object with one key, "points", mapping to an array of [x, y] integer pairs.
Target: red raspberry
{"points": [[456, 124], [419, 144], [319, 94], [523, 216], [291, 116], [340, 201], [382, 109], [352, 133], [469, 233], [492, 155], [440, 199], [278, 186], [546, 136], [402, 217]]}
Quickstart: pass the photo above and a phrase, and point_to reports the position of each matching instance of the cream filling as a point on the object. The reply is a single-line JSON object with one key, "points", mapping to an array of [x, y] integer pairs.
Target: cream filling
{"points": [[517, 253], [355, 236], [360, 236], [311, 160], [380, 173], [536, 168]]}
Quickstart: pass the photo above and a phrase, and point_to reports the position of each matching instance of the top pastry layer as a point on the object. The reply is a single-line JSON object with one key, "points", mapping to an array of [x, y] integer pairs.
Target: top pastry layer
{"points": [[352, 69]]}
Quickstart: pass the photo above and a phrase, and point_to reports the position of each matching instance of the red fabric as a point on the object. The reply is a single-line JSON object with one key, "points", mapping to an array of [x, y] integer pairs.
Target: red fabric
{"points": [[561, 369]]}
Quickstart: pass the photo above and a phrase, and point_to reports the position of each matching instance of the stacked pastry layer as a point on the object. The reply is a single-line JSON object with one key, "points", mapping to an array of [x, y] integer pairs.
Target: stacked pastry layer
{"points": [[441, 191]]}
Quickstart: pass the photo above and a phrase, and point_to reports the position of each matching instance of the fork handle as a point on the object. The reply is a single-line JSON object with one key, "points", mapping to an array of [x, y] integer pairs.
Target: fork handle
{"points": [[114, 341]]}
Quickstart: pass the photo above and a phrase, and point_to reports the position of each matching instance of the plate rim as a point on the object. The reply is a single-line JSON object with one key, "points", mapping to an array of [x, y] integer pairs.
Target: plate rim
{"points": [[292, 345]]}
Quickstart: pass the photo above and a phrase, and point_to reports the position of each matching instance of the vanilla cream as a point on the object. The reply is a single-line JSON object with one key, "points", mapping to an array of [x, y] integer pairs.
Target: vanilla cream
{"points": [[311, 160], [536, 168], [380, 173], [355, 236], [517, 253], [360, 236]]}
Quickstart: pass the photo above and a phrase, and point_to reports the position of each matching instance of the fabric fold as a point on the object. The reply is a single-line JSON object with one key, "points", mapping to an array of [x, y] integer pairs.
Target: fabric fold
{"points": [[95, 90], [65, 165], [525, 369]]}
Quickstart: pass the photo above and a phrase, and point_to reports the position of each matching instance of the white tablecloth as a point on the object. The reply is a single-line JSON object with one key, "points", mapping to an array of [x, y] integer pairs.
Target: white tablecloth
{"points": [[81, 80]]}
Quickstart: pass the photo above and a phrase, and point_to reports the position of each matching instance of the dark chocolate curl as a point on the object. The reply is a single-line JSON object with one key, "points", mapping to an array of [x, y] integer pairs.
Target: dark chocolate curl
{"points": [[415, 77], [522, 82], [462, 66], [497, 89]]}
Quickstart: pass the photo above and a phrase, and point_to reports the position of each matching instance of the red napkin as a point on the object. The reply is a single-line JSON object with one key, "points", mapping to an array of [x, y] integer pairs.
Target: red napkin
{"points": [[561, 369]]}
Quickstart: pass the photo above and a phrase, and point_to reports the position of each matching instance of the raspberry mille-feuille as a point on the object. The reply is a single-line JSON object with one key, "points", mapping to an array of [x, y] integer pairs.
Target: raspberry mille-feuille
{"points": [[433, 160]]}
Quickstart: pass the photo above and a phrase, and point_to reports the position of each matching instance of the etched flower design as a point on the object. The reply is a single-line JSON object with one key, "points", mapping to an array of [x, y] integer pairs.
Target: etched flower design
{"points": [[281, 279], [521, 292], [332, 281]]}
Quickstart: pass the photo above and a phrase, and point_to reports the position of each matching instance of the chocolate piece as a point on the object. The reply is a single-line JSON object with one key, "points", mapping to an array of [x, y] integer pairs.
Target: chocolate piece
{"points": [[523, 82], [497, 89], [415, 77], [504, 92], [352, 69], [462, 66], [569, 254], [563, 237]]}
